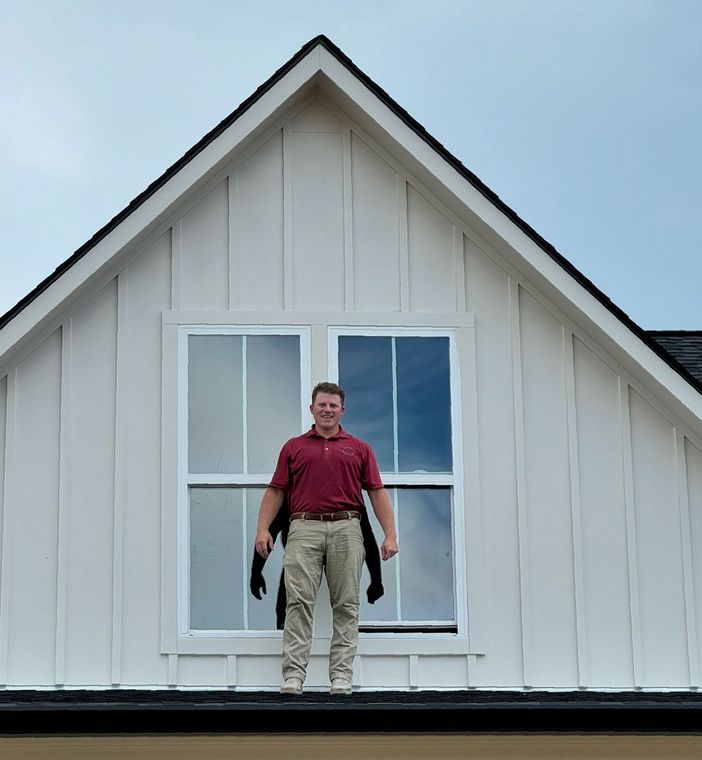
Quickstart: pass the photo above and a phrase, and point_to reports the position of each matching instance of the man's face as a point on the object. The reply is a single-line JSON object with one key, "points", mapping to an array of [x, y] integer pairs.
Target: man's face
{"points": [[327, 411]]}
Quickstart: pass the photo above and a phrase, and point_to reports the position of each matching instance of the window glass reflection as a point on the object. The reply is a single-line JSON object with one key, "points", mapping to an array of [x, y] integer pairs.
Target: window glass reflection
{"points": [[272, 397], [426, 549], [423, 404], [365, 373], [215, 403], [216, 559]]}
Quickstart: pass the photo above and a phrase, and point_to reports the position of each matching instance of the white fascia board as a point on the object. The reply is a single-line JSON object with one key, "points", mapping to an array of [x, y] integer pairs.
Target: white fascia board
{"points": [[527, 256], [155, 209]]}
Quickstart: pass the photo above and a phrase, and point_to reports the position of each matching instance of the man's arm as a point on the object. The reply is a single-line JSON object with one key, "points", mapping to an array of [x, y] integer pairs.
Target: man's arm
{"points": [[270, 506], [382, 507]]}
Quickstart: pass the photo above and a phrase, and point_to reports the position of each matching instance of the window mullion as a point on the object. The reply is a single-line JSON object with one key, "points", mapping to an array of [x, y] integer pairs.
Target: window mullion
{"points": [[245, 555], [395, 437], [398, 559], [245, 407]]}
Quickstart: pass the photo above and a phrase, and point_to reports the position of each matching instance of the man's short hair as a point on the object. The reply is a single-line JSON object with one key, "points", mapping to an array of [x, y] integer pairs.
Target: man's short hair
{"points": [[332, 388]]}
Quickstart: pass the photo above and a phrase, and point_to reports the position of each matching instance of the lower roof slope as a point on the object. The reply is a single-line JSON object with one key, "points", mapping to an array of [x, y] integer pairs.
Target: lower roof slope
{"points": [[685, 346]]}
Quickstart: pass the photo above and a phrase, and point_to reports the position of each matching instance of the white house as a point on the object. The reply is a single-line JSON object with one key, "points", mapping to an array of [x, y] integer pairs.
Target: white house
{"points": [[544, 454]]}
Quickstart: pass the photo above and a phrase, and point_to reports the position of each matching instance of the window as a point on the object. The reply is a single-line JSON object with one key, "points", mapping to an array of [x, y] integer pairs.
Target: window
{"points": [[399, 399], [237, 393], [242, 394]]}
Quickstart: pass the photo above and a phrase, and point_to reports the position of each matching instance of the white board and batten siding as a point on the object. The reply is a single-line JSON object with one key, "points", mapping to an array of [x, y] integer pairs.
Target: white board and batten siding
{"points": [[581, 493]]}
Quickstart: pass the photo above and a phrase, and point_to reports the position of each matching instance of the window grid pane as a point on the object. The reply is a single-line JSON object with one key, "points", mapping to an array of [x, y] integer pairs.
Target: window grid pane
{"points": [[244, 395], [419, 581], [399, 399]]}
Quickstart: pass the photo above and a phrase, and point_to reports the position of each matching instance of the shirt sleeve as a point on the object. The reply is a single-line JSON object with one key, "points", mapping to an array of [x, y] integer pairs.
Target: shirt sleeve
{"points": [[281, 476], [370, 476]]}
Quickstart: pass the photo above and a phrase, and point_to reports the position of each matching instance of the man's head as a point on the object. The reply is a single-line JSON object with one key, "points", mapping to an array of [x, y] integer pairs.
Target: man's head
{"points": [[333, 388], [327, 408]]}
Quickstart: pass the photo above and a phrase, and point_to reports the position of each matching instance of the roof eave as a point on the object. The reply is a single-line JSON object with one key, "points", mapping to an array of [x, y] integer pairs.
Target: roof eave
{"points": [[168, 712]]}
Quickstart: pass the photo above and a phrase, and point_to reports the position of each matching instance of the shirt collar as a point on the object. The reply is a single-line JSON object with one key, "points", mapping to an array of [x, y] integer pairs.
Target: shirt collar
{"points": [[312, 433]]}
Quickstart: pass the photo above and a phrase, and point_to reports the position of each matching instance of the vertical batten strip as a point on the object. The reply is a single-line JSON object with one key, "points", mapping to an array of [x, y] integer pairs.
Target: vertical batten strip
{"points": [[630, 511], [576, 510], [460, 269], [467, 256], [349, 279], [172, 670], [121, 406], [403, 227], [171, 581], [357, 675], [232, 676], [7, 521], [288, 301], [686, 547], [63, 500], [176, 263], [3, 468], [413, 671], [233, 249], [469, 549], [520, 465]]}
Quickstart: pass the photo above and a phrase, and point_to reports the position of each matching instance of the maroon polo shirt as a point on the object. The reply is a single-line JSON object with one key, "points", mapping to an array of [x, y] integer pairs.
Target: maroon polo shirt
{"points": [[326, 474]]}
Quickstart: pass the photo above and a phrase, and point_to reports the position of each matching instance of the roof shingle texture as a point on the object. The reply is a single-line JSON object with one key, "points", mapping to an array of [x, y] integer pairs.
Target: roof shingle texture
{"points": [[683, 345]]}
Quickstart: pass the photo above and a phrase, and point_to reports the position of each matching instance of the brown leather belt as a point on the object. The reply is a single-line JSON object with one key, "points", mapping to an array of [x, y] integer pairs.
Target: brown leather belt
{"points": [[345, 514]]}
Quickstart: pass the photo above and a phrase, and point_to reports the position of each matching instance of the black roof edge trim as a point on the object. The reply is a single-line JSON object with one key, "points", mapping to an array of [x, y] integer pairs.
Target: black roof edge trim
{"points": [[674, 333], [464, 712], [421, 132]]}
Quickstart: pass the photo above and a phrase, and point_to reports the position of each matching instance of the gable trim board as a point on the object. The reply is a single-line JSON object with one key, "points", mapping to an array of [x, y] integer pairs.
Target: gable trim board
{"points": [[321, 60], [141, 711]]}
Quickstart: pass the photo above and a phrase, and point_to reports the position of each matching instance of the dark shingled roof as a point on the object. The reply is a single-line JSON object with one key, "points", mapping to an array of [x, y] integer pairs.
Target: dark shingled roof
{"points": [[683, 345], [414, 125], [173, 711]]}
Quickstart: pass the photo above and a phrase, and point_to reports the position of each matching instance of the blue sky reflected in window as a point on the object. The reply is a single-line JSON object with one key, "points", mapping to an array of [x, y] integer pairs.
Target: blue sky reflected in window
{"points": [[414, 436], [365, 373], [423, 404]]}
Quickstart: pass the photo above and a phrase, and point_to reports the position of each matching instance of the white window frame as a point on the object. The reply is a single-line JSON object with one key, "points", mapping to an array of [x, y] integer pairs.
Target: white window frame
{"points": [[454, 480], [242, 480], [316, 325]]}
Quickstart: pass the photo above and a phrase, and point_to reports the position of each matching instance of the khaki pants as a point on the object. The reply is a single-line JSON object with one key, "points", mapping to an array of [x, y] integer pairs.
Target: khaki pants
{"points": [[335, 547]]}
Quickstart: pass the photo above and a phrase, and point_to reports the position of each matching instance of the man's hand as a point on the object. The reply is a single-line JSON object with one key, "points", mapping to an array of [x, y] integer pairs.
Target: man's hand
{"points": [[389, 548], [264, 544]]}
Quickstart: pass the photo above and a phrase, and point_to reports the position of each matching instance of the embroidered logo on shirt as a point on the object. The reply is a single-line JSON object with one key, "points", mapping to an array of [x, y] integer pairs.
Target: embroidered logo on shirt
{"points": [[347, 450]]}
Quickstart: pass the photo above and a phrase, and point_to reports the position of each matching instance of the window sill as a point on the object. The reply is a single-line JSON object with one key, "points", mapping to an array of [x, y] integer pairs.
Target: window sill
{"points": [[370, 644]]}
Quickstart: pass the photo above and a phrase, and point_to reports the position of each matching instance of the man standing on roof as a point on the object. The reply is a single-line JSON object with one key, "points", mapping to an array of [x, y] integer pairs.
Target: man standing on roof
{"points": [[323, 472]]}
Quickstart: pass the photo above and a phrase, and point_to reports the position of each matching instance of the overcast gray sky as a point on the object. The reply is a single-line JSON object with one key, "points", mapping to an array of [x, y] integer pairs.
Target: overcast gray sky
{"points": [[584, 116]]}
